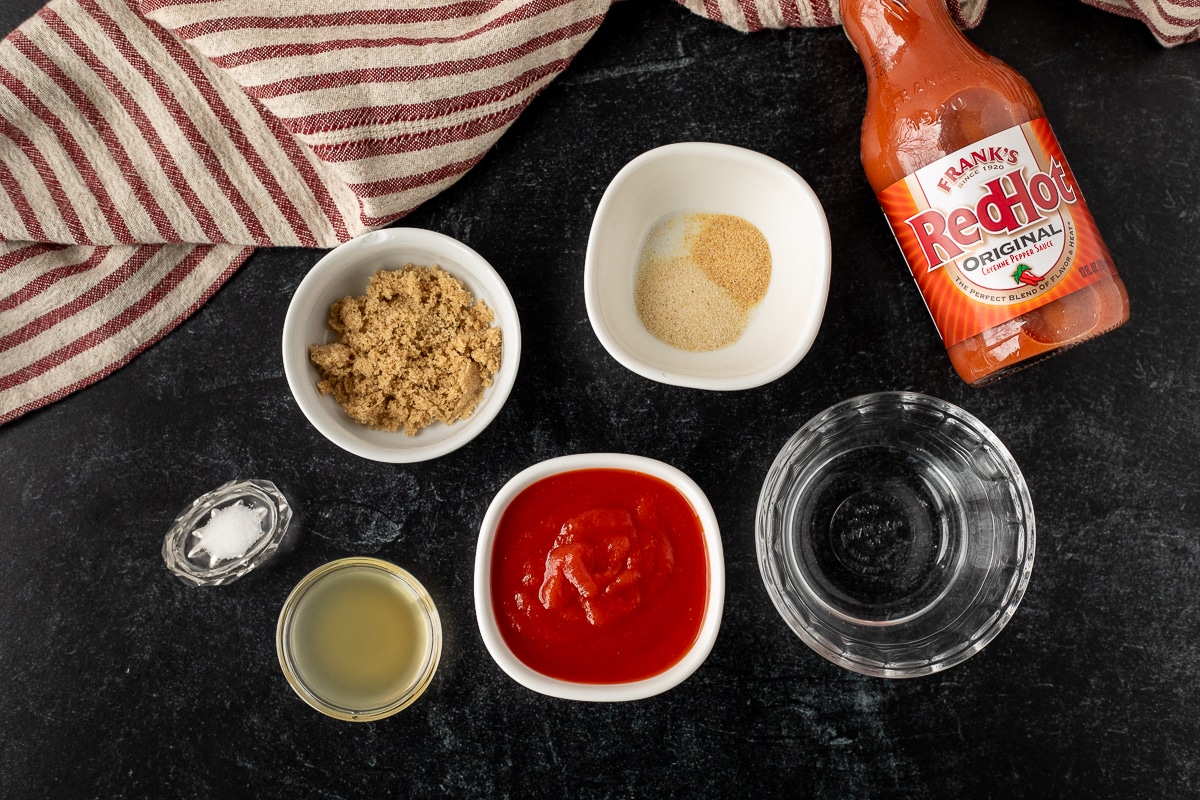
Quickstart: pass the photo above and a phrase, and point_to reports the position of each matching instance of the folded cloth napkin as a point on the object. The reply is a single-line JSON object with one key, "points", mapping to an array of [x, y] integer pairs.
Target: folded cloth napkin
{"points": [[147, 147]]}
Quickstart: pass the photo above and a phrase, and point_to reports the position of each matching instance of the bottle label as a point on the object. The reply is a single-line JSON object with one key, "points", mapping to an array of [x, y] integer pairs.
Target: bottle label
{"points": [[995, 230]]}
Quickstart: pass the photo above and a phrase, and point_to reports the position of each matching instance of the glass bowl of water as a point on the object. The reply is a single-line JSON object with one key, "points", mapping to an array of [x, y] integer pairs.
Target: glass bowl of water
{"points": [[895, 534]]}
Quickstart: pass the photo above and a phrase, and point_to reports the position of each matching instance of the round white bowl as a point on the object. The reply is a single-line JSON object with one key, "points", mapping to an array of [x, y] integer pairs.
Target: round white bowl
{"points": [[600, 692], [344, 272], [701, 177]]}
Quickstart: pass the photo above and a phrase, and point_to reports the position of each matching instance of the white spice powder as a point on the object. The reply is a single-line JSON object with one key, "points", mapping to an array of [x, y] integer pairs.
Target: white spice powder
{"points": [[699, 277]]}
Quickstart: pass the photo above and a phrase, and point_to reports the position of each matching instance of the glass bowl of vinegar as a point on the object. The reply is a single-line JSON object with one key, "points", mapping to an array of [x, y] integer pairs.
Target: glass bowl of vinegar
{"points": [[359, 639], [895, 534]]}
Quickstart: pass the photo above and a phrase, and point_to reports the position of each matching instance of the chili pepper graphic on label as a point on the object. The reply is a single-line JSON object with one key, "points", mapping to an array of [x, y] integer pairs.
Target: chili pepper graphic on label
{"points": [[1025, 275]]}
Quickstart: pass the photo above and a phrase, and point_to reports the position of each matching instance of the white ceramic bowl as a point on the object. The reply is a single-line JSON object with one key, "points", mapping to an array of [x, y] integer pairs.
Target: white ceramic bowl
{"points": [[700, 177], [599, 692], [343, 272]]}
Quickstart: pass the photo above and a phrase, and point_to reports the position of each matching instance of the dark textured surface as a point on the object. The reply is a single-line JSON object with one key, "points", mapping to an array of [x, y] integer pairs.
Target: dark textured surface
{"points": [[121, 682]]}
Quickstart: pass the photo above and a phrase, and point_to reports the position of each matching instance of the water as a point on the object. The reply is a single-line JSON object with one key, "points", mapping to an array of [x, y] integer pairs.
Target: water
{"points": [[876, 537], [895, 534]]}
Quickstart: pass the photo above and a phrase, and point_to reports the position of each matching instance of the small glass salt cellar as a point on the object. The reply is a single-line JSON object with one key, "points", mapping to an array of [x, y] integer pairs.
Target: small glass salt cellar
{"points": [[226, 533]]}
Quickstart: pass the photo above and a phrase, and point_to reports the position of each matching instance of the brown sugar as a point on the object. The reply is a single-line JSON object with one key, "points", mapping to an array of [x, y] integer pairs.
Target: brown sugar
{"points": [[415, 349], [699, 277]]}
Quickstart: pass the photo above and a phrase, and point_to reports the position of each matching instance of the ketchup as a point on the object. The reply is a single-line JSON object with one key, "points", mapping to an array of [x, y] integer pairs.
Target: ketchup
{"points": [[600, 576], [977, 191]]}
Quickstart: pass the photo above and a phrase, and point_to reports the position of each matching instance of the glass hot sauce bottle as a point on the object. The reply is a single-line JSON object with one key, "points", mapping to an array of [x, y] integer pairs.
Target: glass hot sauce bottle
{"points": [[979, 196]]}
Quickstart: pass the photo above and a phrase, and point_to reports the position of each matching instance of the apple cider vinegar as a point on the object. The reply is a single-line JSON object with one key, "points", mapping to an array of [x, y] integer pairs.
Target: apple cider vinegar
{"points": [[359, 639]]}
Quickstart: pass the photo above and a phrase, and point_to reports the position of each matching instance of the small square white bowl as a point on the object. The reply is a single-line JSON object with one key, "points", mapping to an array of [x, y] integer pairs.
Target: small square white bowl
{"points": [[702, 177], [344, 272]]}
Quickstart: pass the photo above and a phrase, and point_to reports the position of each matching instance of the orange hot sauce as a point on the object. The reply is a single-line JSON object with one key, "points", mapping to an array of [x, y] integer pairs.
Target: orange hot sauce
{"points": [[978, 193]]}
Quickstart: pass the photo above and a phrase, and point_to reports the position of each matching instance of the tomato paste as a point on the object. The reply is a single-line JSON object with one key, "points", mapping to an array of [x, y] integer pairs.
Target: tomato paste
{"points": [[599, 576]]}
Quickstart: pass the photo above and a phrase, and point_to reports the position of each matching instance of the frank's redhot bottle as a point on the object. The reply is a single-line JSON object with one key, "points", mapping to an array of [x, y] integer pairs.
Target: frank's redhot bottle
{"points": [[978, 193]]}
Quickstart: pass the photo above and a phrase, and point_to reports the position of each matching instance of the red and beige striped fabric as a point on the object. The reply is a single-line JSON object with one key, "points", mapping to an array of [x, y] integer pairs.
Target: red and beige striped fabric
{"points": [[1172, 21], [147, 147], [754, 15]]}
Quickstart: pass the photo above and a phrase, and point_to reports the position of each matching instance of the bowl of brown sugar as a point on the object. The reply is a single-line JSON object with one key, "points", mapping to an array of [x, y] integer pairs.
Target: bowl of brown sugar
{"points": [[707, 266], [401, 345]]}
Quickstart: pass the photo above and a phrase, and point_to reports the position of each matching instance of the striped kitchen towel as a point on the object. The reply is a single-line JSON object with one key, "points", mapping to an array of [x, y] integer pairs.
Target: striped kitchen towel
{"points": [[147, 147], [1171, 21]]}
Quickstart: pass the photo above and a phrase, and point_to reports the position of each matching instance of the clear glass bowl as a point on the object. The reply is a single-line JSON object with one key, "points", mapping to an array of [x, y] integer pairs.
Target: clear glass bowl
{"points": [[359, 639], [895, 534], [183, 548]]}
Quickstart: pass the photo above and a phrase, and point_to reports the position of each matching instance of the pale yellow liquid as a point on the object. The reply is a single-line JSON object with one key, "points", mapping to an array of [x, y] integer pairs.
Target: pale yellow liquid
{"points": [[359, 638]]}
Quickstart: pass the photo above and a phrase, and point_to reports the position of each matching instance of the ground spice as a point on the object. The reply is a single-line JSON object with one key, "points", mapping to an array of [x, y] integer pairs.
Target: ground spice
{"points": [[415, 349], [699, 277]]}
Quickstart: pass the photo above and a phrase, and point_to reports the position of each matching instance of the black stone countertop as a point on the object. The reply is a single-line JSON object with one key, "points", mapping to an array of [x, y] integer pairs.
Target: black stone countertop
{"points": [[121, 682]]}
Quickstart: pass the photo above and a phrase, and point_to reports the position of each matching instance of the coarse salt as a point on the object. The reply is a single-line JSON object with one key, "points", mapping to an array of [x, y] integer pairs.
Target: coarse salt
{"points": [[229, 532]]}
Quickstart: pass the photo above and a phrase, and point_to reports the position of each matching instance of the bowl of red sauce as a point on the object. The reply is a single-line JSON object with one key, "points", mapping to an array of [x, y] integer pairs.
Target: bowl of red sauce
{"points": [[599, 577]]}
